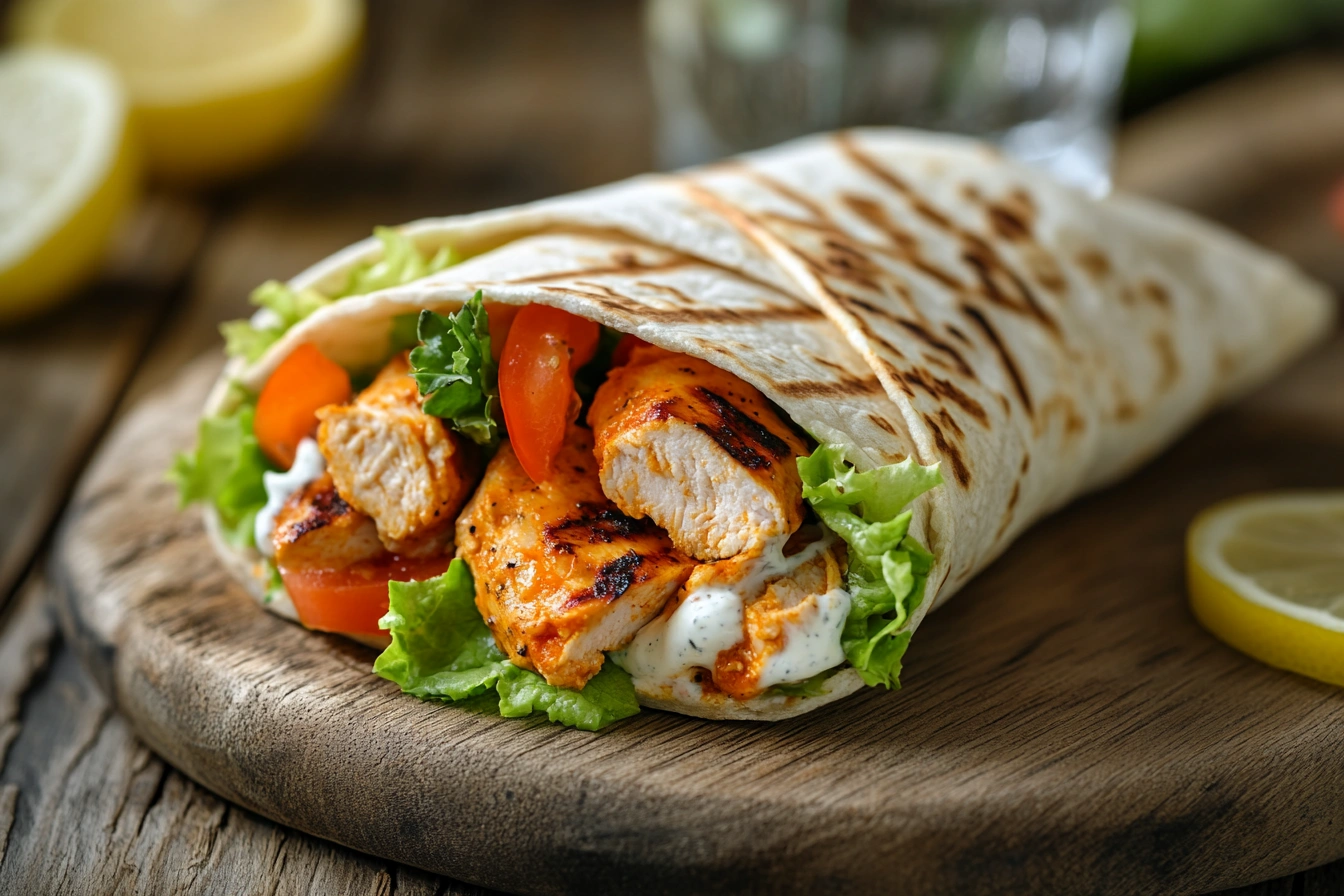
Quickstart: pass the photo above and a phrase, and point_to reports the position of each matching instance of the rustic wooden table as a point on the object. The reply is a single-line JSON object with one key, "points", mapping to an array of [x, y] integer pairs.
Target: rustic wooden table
{"points": [[452, 110]]}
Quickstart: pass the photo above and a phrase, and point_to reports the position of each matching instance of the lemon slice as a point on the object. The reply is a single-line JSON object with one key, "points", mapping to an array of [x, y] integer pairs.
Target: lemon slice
{"points": [[1266, 575], [67, 172], [220, 87]]}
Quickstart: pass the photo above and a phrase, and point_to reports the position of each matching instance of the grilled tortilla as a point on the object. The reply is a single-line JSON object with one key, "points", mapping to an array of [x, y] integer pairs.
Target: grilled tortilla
{"points": [[901, 294]]}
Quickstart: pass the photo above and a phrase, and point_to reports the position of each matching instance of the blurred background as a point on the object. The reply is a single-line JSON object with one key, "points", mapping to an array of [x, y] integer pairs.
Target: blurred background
{"points": [[319, 118], [160, 158]]}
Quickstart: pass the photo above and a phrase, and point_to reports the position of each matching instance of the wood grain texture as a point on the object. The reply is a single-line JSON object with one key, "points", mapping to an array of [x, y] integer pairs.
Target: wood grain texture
{"points": [[1065, 727], [86, 808], [65, 371]]}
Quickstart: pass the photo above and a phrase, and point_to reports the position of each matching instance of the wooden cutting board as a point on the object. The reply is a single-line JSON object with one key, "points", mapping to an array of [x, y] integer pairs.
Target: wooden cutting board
{"points": [[1065, 726]]}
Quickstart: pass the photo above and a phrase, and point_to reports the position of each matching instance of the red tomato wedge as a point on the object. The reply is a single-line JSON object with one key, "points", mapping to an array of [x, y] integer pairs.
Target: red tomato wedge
{"points": [[536, 382], [352, 600], [287, 407], [620, 356]]}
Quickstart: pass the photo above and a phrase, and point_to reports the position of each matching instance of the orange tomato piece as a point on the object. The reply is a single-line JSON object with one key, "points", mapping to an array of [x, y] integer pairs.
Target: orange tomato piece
{"points": [[544, 348], [287, 407]]}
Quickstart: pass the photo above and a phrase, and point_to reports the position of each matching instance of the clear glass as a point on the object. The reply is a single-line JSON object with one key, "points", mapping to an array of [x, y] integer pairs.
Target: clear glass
{"points": [[1038, 77]]}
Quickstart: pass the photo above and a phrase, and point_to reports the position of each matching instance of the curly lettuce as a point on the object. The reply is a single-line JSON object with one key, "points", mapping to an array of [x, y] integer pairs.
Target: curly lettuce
{"points": [[455, 372], [400, 263], [442, 650], [888, 569], [225, 469], [283, 306]]}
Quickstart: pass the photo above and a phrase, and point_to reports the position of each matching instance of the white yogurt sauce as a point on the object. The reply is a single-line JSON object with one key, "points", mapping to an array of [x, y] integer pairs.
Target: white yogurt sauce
{"points": [[710, 620], [308, 465], [811, 643]]}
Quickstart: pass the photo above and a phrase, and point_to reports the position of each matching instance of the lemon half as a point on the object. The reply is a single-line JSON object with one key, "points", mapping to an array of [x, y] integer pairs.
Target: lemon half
{"points": [[220, 87], [1266, 575], [67, 173]]}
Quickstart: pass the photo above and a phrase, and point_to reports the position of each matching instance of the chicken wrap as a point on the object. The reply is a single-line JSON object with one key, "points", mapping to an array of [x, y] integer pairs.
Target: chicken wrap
{"points": [[713, 442]]}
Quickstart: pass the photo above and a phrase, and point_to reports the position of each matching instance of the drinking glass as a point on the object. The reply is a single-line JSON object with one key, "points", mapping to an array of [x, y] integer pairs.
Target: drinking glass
{"points": [[1040, 78]]}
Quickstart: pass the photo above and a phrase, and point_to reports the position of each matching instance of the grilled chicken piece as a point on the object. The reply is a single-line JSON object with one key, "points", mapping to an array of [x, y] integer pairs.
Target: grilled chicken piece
{"points": [[698, 451], [317, 528], [396, 463], [561, 574]]}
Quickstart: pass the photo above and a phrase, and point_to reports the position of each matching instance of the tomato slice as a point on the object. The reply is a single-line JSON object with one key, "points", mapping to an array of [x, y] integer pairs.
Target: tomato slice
{"points": [[287, 407], [620, 355], [536, 382], [352, 600]]}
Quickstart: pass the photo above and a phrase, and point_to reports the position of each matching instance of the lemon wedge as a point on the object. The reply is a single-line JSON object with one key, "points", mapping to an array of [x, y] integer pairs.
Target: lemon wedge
{"points": [[219, 87], [67, 173], [1266, 575]]}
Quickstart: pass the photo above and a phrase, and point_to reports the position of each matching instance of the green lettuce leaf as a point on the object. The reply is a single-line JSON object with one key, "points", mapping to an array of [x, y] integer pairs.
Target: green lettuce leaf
{"points": [[442, 650], [405, 332], [888, 569], [400, 263], [811, 687], [225, 469], [287, 307], [455, 372]]}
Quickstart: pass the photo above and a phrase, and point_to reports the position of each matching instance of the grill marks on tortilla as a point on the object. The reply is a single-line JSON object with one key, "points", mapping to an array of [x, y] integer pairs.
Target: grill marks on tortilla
{"points": [[1013, 220], [1169, 364], [1009, 366], [625, 263], [903, 244], [1064, 406], [621, 263], [1000, 284], [778, 187], [997, 280], [940, 346], [1008, 512], [841, 387], [883, 424], [950, 451], [1095, 264], [634, 310], [1155, 292], [946, 389], [849, 270]]}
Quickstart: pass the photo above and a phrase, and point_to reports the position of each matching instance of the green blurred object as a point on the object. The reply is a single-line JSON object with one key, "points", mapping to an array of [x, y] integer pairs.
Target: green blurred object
{"points": [[1173, 38]]}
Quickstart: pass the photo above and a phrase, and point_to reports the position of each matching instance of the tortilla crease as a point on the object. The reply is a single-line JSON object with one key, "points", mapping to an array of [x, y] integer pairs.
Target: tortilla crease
{"points": [[901, 293]]}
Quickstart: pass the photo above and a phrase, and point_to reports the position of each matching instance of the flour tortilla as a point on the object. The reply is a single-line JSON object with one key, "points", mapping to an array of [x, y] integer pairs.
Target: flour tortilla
{"points": [[903, 294]]}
